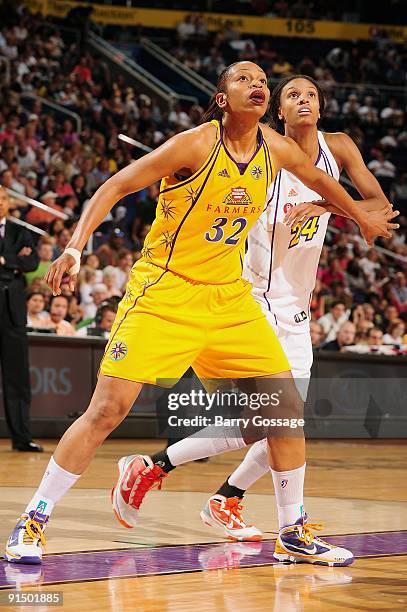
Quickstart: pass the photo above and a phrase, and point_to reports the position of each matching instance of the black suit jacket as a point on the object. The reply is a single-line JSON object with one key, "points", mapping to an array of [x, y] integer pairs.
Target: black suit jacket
{"points": [[12, 272]]}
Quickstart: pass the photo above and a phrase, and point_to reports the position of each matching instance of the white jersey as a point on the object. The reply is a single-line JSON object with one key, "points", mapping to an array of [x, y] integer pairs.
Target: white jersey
{"points": [[282, 262]]}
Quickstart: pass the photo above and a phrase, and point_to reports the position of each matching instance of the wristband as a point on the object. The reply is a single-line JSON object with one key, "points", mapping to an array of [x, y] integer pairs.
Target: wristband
{"points": [[77, 257]]}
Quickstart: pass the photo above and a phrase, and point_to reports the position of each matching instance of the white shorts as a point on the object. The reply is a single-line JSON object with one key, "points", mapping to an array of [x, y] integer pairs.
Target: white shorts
{"points": [[298, 350]]}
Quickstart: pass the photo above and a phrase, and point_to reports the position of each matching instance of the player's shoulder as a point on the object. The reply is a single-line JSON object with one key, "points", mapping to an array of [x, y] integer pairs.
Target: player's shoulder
{"points": [[338, 139], [206, 132], [197, 141], [274, 139], [341, 146]]}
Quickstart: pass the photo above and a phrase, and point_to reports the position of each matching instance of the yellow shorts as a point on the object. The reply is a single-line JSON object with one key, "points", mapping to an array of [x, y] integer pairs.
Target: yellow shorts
{"points": [[166, 323]]}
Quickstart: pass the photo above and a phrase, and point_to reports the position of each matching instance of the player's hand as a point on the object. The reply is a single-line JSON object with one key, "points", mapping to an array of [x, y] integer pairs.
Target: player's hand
{"points": [[298, 215], [57, 270], [378, 223]]}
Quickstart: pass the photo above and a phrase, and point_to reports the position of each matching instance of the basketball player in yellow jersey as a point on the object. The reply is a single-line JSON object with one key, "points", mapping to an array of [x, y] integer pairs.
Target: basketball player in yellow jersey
{"points": [[185, 303]]}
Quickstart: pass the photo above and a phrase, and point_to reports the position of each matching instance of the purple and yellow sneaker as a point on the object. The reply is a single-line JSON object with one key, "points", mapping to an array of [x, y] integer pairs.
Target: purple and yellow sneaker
{"points": [[297, 544], [27, 539]]}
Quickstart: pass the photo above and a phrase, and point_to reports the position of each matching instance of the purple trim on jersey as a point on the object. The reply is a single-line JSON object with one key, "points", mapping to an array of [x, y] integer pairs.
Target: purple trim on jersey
{"points": [[327, 165], [241, 164], [190, 209], [319, 153], [326, 158], [268, 162], [272, 239]]}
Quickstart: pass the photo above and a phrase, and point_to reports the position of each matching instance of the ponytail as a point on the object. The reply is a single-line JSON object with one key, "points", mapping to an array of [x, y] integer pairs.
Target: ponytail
{"points": [[213, 111]]}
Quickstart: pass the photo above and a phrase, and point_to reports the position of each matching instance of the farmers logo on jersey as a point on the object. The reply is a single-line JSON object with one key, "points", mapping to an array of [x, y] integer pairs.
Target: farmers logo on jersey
{"points": [[288, 207], [256, 172], [239, 195], [118, 351]]}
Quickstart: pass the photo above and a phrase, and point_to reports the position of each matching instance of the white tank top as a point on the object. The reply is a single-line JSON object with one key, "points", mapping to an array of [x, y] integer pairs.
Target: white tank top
{"points": [[282, 262]]}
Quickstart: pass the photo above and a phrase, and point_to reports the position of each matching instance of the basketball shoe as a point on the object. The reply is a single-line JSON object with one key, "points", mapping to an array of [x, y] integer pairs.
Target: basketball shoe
{"points": [[137, 475], [27, 538], [297, 543], [225, 512]]}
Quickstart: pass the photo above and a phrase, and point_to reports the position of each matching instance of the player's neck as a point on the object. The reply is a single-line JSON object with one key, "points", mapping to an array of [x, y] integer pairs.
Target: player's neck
{"points": [[240, 137], [307, 140]]}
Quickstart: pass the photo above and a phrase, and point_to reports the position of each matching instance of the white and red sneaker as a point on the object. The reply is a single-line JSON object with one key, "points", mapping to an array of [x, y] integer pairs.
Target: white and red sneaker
{"points": [[137, 475], [225, 512]]}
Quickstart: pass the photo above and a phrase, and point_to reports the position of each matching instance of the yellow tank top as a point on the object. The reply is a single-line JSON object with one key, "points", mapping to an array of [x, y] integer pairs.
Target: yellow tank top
{"points": [[202, 222]]}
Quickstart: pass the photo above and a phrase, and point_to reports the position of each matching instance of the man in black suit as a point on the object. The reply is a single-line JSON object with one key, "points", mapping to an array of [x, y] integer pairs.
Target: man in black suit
{"points": [[17, 255]]}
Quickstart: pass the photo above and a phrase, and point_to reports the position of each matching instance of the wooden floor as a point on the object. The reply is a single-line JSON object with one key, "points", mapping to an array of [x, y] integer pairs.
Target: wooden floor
{"points": [[171, 561]]}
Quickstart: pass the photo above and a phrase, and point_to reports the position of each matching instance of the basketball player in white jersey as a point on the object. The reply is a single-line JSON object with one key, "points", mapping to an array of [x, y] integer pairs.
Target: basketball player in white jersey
{"points": [[281, 263]]}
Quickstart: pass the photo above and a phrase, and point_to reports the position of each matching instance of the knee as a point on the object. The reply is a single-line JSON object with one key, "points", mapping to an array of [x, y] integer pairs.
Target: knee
{"points": [[106, 414]]}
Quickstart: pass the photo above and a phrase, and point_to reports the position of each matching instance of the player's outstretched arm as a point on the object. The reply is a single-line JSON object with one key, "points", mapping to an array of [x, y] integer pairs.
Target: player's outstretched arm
{"points": [[185, 150], [349, 158], [287, 154]]}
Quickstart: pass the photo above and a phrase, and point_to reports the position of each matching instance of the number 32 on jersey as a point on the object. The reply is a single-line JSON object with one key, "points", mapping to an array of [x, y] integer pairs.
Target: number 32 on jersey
{"points": [[221, 229], [309, 229]]}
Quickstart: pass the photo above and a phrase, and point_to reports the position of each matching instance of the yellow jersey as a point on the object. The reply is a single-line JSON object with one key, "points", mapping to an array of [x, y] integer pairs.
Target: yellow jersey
{"points": [[202, 222]]}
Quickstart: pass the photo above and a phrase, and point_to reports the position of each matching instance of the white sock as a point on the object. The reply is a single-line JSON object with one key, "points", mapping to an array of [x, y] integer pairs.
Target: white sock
{"points": [[53, 486], [289, 489], [254, 466], [205, 443]]}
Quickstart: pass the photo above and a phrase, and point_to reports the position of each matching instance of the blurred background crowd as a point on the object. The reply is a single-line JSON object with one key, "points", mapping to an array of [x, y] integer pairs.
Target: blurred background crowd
{"points": [[360, 299]]}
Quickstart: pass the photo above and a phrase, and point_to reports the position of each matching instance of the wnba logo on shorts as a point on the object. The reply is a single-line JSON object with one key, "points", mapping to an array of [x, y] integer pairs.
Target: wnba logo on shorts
{"points": [[118, 351], [284, 483]]}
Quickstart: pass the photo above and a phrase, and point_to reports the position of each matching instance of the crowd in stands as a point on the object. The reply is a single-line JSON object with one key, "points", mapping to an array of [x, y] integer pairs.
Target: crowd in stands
{"points": [[360, 294]]}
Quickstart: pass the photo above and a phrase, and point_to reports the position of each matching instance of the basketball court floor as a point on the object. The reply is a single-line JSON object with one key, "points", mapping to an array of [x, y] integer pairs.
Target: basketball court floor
{"points": [[172, 562]]}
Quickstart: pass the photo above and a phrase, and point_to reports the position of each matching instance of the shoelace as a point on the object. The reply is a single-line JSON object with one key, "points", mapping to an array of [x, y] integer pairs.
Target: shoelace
{"points": [[148, 479], [307, 535], [34, 530], [234, 508]]}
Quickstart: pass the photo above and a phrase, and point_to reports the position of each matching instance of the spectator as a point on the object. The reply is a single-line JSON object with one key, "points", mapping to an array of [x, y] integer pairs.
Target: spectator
{"points": [[62, 239], [399, 291], [58, 311], [317, 334], [369, 264], [395, 333], [37, 316], [375, 336], [102, 323], [345, 337], [124, 266], [92, 261], [110, 280], [333, 320], [99, 294], [383, 169], [44, 250], [41, 218], [108, 253], [391, 114]]}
